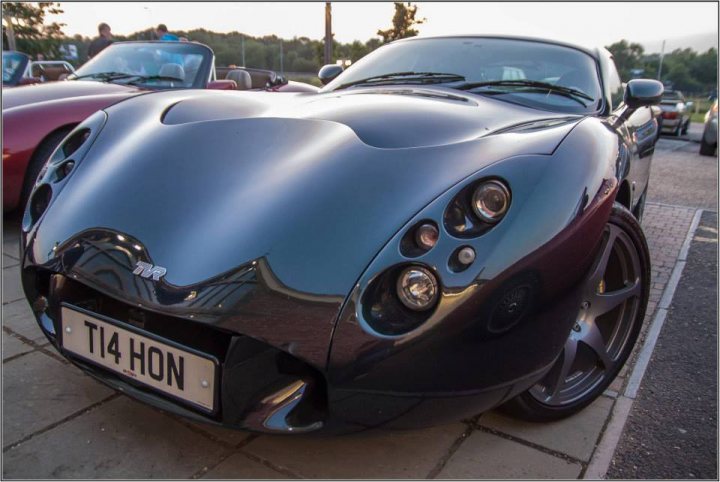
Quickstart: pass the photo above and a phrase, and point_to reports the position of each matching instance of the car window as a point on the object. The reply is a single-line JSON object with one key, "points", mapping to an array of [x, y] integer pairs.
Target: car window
{"points": [[481, 59]]}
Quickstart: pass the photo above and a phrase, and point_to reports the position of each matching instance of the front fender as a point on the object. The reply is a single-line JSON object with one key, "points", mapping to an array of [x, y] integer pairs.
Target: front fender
{"points": [[547, 240]]}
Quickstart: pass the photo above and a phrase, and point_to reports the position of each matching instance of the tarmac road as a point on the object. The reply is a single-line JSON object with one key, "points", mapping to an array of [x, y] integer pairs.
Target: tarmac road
{"points": [[672, 428]]}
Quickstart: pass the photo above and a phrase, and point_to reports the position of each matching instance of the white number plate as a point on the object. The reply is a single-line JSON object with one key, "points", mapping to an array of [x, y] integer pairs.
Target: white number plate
{"points": [[166, 368]]}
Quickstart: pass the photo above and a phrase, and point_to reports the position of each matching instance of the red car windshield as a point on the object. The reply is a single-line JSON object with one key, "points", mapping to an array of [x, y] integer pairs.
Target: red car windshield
{"points": [[157, 65]]}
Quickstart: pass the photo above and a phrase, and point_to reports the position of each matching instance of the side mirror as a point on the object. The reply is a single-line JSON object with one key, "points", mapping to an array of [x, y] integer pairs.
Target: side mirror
{"points": [[223, 84], [329, 72], [643, 93]]}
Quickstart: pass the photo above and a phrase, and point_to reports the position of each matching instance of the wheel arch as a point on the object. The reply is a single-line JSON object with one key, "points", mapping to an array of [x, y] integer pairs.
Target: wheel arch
{"points": [[624, 195]]}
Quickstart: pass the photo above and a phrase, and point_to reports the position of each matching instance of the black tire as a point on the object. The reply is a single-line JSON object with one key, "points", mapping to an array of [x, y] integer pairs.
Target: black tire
{"points": [[623, 235], [38, 161], [707, 149], [686, 127]]}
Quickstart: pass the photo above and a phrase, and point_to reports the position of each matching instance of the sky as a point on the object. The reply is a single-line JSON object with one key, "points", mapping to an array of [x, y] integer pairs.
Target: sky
{"points": [[680, 23]]}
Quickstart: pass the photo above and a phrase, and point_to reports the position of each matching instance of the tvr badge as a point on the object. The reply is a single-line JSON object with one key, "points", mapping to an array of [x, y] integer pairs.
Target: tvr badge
{"points": [[146, 270]]}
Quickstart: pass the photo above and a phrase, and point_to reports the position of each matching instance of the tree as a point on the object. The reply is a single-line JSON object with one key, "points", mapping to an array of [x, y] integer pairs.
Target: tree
{"points": [[627, 56], [27, 21], [403, 22]]}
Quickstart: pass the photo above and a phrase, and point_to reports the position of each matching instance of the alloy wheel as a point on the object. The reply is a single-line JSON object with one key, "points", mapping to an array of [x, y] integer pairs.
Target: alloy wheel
{"points": [[593, 351]]}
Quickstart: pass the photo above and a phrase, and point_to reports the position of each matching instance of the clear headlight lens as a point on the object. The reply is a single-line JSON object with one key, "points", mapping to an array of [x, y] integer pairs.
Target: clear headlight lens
{"points": [[427, 236], [417, 288], [490, 201]]}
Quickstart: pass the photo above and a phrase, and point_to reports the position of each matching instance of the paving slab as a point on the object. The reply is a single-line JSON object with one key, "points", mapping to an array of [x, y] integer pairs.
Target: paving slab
{"points": [[12, 289], [9, 262], [239, 466], [575, 436], [18, 317], [12, 346], [680, 175], [39, 391], [119, 439], [386, 455], [487, 456], [225, 435], [11, 239]]}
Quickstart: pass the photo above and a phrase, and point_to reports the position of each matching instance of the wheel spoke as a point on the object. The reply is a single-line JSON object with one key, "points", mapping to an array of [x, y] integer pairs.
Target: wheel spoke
{"points": [[568, 357], [593, 339], [597, 274], [604, 302]]}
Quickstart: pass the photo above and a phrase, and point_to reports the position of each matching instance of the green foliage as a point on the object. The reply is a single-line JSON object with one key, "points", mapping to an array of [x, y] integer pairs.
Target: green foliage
{"points": [[684, 69], [32, 35], [300, 54], [403, 22]]}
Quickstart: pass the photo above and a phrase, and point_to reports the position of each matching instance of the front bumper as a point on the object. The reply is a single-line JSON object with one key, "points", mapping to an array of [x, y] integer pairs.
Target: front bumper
{"points": [[261, 388]]}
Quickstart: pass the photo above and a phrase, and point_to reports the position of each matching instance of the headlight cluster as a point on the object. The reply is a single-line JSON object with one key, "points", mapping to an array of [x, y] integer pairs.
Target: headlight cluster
{"points": [[405, 295]]}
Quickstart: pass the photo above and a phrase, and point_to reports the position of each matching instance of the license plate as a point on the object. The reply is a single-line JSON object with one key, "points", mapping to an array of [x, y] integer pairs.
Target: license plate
{"points": [[167, 368]]}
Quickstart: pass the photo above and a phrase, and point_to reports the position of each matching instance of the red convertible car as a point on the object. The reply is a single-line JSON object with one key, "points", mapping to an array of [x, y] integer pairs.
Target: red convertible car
{"points": [[37, 117]]}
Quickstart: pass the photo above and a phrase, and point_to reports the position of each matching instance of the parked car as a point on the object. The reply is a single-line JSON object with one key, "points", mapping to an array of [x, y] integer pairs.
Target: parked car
{"points": [[20, 69], [708, 143], [262, 79], [50, 70], [675, 112], [36, 118], [423, 240]]}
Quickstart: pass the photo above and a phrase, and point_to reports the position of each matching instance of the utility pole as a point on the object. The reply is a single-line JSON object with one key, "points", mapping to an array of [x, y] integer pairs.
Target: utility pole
{"points": [[662, 54], [328, 33], [242, 43]]}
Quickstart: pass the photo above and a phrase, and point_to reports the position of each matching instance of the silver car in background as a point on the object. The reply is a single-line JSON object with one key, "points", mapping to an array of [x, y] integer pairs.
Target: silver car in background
{"points": [[708, 143], [675, 113]]}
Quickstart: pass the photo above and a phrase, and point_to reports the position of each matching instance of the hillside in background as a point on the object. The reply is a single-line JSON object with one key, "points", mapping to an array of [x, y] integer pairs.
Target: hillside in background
{"points": [[699, 42]]}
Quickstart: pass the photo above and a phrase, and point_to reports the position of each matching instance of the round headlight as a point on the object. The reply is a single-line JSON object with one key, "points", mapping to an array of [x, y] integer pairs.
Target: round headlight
{"points": [[490, 201], [417, 288], [427, 236]]}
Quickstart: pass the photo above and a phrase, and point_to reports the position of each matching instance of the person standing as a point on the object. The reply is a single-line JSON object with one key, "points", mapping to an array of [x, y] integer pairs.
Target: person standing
{"points": [[162, 33], [102, 41]]}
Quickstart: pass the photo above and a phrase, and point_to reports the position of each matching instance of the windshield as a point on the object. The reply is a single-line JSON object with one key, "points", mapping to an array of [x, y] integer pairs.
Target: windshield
{"points": [[157, 65], [13, 63], [514, 67]]}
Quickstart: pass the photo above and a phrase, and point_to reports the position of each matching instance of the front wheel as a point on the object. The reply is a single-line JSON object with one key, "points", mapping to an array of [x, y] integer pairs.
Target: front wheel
{"points": [[706, 149], [607, 325]]}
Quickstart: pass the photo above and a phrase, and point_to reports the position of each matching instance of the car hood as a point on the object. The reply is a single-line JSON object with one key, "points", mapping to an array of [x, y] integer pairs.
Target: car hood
{"points": [[383, 118], [32, 94], [295, 188]]}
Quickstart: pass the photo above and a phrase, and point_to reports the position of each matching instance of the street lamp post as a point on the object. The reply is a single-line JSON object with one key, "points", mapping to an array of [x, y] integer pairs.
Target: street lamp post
{"points": [[662, 54]]}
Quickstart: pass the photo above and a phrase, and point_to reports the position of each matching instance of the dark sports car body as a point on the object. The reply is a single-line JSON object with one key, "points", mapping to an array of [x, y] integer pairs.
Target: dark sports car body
{"points": [[400, 249]]}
